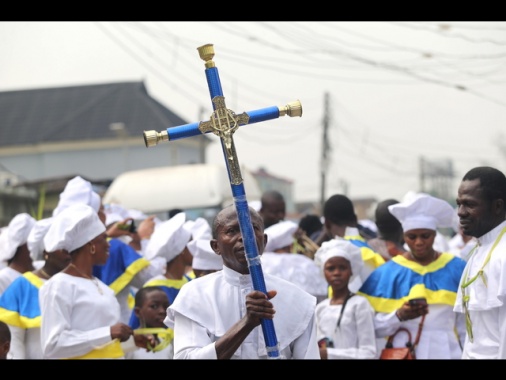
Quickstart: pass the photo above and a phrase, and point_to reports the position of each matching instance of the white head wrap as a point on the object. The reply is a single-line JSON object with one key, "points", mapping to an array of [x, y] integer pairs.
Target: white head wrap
{"points": [[35, 239], [204, 258], [72, 228], [169, 238], [78, 190], [136, 214], [256, 205], [423, 211], [201, 229], [114, 213], [15, 235], [369, 224], [280, 235], [188, 225], [340, 248]]}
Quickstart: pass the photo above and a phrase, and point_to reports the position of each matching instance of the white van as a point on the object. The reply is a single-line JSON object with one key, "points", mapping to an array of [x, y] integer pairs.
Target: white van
{"points": [[201, 190]]}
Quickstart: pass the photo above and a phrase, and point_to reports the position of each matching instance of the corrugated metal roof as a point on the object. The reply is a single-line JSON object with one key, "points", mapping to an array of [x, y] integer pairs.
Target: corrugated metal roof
{"points": [[58, 114]]}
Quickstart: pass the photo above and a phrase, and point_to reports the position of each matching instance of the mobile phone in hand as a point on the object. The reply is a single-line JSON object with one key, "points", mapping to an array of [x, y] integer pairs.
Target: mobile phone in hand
{"points": [[417, 301], [129, 226]]}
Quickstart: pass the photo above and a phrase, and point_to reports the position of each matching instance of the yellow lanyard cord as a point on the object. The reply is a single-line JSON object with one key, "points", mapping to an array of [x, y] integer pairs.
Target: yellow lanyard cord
{"points": [[166, 335], [469, 281]]}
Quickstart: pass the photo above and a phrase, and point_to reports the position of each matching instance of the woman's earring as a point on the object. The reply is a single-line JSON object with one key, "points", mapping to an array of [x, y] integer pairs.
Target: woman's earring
{"points": [[92, 251]]}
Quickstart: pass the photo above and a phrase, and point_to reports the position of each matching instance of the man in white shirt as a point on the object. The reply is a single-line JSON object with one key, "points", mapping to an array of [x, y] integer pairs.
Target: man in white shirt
{"points": [[481, 203], [218, 316]]}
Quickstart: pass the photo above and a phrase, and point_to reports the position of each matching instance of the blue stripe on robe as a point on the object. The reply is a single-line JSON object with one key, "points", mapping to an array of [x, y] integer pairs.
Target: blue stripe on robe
{"points": [[123, 264], [19, 303], [399, 280]]}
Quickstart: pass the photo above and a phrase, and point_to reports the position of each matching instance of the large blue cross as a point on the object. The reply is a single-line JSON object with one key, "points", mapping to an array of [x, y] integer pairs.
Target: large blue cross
{"points": [[223, 123]]}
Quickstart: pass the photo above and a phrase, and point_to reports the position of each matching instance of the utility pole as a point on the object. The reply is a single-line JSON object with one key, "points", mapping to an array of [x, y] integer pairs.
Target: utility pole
{"points": [[421, 174], [324, 164]]}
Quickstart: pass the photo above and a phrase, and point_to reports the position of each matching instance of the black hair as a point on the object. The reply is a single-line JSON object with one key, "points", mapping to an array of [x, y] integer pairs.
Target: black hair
{"points": [[143, 292], [492, 182], [339, 210], [174, 211], [272, 195], [218, 219], [387, 223], [5, 332], [310, 223]]}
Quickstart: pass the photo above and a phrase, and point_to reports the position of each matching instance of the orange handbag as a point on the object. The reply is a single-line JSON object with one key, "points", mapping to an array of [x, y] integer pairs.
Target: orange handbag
{"points": [[401, 353]]}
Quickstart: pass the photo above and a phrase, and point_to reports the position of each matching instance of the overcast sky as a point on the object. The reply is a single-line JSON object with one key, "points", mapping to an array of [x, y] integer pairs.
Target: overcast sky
{"points": [[397, 91]]}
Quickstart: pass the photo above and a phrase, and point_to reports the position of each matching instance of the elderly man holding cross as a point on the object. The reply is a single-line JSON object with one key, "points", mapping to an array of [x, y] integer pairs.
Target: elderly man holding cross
{"points": [[224, 123], [218, 316]]}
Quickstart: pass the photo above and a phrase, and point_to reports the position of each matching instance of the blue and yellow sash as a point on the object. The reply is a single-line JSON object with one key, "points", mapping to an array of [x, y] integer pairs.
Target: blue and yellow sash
{"points": [[19, 304], [399, 279], [123, 264]]}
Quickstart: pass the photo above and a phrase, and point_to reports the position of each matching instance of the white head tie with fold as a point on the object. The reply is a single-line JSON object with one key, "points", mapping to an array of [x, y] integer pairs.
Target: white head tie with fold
{"points": [[72, 228], [169, 238], [423, 211], [340, 248], [78, 190], [204, 258], [35, 239], [15, 235], [280, 235]]}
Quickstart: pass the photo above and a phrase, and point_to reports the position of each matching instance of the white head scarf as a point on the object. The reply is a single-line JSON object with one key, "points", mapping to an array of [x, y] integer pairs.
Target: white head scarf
{"points": [[423, 211], [201, 229], [169, 238], [35, 239], [78, 190], [72, 228], [204, 258], [15, 235], [114, 213], [280, 235], [340, 248]]}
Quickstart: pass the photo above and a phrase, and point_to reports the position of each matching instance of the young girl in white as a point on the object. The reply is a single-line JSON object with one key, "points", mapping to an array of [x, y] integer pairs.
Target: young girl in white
{"points": [[345, 321]]}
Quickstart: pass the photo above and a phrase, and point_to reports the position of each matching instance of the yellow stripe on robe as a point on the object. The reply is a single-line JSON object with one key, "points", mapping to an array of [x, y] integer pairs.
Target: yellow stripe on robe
{"points": [[110, 350]]}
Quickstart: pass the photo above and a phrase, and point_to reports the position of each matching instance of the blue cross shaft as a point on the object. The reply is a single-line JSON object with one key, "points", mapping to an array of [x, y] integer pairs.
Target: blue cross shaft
{"points": [[247, 231], [216, 125]]}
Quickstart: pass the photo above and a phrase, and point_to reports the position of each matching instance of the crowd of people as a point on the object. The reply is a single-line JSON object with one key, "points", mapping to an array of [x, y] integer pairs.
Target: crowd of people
{"points": [[89, 283]]}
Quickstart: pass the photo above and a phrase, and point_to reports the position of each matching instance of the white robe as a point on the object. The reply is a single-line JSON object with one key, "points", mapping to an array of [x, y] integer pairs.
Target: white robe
{"points": [[355, 337], [76, 318], [298, 269], [207, 307], [486, 306], [7, 275], [25, 343], [143, 354]]}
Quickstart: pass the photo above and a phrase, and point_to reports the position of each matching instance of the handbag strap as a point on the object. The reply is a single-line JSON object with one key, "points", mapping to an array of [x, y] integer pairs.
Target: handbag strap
{"points": [[414, 344], [420, 326], [350, 294]]}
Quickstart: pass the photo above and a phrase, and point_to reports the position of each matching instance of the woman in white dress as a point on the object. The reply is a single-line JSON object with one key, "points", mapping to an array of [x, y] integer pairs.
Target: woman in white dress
{"points": [[80, 314]]}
